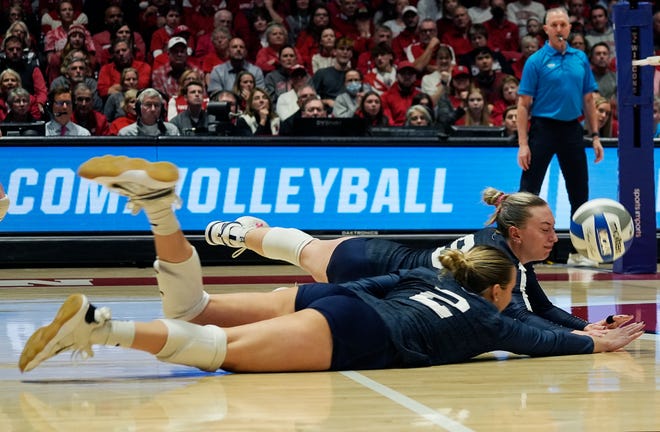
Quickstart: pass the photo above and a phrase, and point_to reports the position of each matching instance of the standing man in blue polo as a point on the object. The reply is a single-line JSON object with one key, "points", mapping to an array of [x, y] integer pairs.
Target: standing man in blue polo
{"points": [[557, 89]]}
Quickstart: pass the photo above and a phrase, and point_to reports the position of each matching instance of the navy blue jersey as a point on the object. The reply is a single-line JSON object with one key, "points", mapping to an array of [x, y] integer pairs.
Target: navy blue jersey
{"points": [[362, 257], [528, 302], [432, 320]]}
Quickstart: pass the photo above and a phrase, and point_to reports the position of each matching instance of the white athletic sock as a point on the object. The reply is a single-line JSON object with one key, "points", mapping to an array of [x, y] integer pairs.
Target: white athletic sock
{"points": [[189, 344], [114, 333], [162, 219], [285, 244], [181, 288]]}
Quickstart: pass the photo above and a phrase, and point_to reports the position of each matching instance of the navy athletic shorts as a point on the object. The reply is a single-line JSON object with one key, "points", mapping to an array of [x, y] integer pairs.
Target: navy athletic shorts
{"points": [[362, 257], [359, 336]]}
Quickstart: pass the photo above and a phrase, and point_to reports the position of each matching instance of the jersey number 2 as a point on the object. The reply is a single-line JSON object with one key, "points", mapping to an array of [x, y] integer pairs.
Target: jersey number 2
{"points": [[430, 299]]}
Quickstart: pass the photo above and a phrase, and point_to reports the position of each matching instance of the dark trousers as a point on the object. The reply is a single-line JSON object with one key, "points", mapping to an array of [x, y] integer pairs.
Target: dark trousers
{"points": [[548, 137]]}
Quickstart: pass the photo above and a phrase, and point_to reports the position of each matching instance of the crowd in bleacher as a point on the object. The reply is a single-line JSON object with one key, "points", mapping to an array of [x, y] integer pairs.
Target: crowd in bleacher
{"points": [[128, 67]]}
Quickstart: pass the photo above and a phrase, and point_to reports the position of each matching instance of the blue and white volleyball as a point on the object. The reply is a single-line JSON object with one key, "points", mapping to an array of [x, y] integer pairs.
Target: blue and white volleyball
{"points": [[602, 230]]}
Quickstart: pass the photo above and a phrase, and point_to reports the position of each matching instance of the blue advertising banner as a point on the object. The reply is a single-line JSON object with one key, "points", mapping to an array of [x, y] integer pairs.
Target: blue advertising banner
{"points": [[337, 189]]}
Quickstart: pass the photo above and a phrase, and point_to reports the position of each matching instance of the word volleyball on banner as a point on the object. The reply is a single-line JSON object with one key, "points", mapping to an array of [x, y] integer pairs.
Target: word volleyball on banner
{"points": [[340, 189]]}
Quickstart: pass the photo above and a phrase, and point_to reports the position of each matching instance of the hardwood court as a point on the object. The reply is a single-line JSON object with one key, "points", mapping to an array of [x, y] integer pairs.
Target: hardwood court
{"points": [[120, 390]]}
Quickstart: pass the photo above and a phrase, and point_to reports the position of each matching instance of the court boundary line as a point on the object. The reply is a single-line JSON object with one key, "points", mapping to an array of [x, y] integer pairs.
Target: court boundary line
{"points": [[418, 408]]}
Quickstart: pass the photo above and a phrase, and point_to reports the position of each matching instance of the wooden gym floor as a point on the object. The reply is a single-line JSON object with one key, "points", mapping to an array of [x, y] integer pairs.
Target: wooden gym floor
{"points": [[120, 390]]}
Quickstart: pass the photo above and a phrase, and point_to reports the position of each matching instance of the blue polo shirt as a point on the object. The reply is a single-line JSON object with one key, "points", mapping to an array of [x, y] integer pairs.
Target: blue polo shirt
{"points": [[557, 82]]}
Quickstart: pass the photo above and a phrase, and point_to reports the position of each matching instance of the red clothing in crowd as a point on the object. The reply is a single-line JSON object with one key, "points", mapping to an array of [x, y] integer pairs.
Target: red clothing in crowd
{"points": [[268, 59], [96, 124], [209, 61], [395, 104], [458, 40], [121, 122], [34, 108], [102, 42], [163, 80], [401, 42], [109, 76], [502, 37]]}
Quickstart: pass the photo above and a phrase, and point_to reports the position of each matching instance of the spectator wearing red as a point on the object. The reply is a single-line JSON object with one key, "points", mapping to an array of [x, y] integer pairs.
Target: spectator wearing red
{"points": [[124, 32], [461, 80], [308, 41], [112, 17], [76, 40], [488, 79], [271, 11], [398, 98], [162, 36], [268, 57], [383, 73], [201, 17], [180, 31], [408, 36], [445, 19], [457, 37], [19, 102], [109, 81], [479, 39], [51, 14], [223, 18], [220, 53], [165, 79], [151, 18], [503, 35], [56, 39], [114, 22], [366, 61], [10, 80], [179, 103], [529, 45], [130, 116], [509, 93], [344, 21], [423, 53], [85, 115]]}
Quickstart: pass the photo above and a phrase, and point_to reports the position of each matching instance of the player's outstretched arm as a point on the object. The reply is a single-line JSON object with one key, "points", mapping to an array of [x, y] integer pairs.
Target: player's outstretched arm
{"points": [[618, 338]]}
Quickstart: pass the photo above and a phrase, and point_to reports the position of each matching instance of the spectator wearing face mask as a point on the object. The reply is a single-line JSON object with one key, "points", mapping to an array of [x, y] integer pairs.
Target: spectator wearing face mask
{"points": [[349, 100]]}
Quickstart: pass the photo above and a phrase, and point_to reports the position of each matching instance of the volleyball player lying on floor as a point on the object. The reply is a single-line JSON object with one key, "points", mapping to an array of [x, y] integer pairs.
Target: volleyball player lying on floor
{"points": [[524, 232], [410, 318]]}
